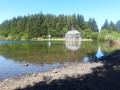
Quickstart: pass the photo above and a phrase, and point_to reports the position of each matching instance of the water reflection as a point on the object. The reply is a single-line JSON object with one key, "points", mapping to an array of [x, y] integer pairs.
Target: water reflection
{"points": [[73, 45], [49, 43], [44, 55], [99, 52], [85, 59], [9, 68]]}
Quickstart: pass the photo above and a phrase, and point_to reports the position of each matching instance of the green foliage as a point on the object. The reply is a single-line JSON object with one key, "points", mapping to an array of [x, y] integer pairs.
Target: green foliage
{"points": [[102, 34], [110, 38], [86, 33], [109, 35], [118, 25], [2, 38], [45, 37], [94, 35], [105, 25], [40, 25], [101, 37], [93, 25], [16, 38], [111, 26]]}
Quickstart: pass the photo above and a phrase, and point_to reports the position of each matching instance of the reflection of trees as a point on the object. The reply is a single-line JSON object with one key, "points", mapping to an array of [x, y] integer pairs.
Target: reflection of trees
{"points": [[108, 48], [40, 52], [90, 48]]}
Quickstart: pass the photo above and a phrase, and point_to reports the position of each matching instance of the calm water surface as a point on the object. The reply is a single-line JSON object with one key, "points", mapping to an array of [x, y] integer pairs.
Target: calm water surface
{"points": [[44, 55]]}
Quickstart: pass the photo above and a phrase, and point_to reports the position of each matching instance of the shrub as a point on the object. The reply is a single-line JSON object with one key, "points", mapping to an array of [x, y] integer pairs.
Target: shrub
{"points": [[110, 38], [16, 37], [94, 35], [45, 37]]}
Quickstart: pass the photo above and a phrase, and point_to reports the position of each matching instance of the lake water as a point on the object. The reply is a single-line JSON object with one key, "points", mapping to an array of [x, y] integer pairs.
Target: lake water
{"points": [[44, 55]]}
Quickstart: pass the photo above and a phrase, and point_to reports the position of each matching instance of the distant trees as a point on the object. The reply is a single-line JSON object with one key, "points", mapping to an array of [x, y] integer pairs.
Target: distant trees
{"points": [[110, 31], [118, 25], [93, 25], [40, 25], [105, 25], [111, 26]]}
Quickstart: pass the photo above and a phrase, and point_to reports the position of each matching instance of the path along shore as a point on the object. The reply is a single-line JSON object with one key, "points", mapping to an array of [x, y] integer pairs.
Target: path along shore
{"points": [[100, 74]]}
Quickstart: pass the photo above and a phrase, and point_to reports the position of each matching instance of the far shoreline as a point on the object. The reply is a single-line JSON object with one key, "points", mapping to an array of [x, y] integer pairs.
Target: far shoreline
{"points": [[58, 39]]}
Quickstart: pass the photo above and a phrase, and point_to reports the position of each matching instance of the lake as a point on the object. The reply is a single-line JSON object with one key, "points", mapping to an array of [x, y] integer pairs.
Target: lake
{"points": [[44, 55]]}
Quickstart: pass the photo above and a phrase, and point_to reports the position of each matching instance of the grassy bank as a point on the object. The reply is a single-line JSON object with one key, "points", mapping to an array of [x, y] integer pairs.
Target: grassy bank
{"points": [[59, 39], [38, 39]]}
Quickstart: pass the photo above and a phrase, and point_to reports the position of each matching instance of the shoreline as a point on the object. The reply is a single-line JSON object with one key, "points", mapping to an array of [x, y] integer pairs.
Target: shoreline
{"points": [[59, 39], [49, 75], [72, 71]]}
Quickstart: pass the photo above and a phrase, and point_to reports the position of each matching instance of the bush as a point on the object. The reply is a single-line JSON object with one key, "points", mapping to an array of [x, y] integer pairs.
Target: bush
{"points": [[16, 37], [54, 37], [94, 35], [101, 37], [8, 38], [45, 37], [2, 38], [25, 37], [110, 38]]}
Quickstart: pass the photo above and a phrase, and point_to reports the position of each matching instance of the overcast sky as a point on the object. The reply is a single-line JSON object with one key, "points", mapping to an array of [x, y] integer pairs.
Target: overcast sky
{"points": [[98, 9]]}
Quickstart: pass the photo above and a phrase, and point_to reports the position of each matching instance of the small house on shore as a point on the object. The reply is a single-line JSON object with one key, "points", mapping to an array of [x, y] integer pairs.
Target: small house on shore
{"points": [[73, 35]]}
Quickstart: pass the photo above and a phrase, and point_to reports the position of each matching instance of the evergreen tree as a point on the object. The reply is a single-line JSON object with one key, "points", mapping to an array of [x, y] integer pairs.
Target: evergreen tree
{"points": [[105, 25], [118, 25], [111, 23], [93, 25], [80, 22], [40, 25], [112, 26]]}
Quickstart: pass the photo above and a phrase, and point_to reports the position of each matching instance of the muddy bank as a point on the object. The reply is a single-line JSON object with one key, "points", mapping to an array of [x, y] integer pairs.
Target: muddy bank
{"points": [[100, 74]]}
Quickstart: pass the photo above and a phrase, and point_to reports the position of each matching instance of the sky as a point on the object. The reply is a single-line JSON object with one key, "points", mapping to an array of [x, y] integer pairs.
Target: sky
{"points": [[98, 9]]}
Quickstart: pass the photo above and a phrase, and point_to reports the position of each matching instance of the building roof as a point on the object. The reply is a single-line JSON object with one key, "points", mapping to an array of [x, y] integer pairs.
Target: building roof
{"points": [[73, 32]]}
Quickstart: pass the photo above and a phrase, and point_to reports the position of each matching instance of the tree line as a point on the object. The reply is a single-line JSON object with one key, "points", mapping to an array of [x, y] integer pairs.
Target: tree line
{"points": [[110, 32], [41, 25]]}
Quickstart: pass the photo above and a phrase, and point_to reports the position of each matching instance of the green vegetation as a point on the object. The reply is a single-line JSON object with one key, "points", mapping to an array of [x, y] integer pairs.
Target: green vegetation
{"points": [[106, 35], [39, 26], [110, 32]]}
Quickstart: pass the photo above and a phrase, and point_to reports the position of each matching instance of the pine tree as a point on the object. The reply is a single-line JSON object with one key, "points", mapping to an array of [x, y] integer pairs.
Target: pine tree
{"points": [[40, 25], [105, 25], [93, 25], [80, 22], [118, 25]]}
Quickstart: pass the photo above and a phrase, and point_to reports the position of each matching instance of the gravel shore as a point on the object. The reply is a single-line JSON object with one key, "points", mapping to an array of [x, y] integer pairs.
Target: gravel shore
{"points": [[50, 75], [101, 74]]}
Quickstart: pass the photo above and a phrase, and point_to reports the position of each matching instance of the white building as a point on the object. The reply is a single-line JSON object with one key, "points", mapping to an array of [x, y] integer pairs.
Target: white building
{"points": [[73, 35]]}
